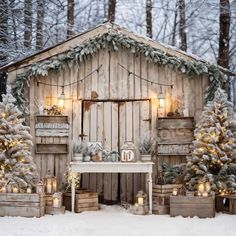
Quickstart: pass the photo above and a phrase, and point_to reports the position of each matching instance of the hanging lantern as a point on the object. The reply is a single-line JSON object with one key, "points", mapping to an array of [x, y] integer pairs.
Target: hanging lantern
{"points": [[62, 98], [57, 200], [162, 99], [50, 183]]}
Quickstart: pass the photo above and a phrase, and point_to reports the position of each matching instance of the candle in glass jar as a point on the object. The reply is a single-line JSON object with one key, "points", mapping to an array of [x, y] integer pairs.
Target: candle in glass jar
{"points": [[28, 190], [3, 190], [175, 191], [140, 201], [55, 202], [15, 190], [49, 188]]}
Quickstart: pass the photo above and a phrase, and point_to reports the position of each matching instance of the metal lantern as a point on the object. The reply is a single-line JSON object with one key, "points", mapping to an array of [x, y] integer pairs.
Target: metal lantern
{"points": [[141, 198], [57, 200], [50, 183], [140, 207], [128, 152], [40, 187]]}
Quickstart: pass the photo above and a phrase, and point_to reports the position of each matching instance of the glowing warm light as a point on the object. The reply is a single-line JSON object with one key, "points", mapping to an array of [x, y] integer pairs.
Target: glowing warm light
{"points": [[162, 100], [61, 99]]}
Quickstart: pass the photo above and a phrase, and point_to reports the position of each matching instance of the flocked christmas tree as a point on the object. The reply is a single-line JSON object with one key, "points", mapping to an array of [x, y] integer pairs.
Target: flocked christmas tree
{"points": [[16, 162], [214, 147]]}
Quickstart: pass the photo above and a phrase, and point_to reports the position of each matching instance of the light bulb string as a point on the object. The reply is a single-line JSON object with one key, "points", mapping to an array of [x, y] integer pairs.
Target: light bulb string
{"points": [[144, 79], [75, 82]]}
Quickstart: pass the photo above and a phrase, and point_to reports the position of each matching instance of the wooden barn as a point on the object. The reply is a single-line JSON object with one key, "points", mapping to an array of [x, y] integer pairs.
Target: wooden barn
{"points": [[116, 87]]}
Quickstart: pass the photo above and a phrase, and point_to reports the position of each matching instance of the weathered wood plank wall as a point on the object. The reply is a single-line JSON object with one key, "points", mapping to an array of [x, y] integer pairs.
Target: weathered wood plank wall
{"points": [[113, 122]]}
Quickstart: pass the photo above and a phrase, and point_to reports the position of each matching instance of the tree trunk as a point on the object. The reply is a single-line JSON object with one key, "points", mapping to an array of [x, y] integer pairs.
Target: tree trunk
{"points": [[182, 26], [39, 24], [3, 31], [70, 17], [223, 55], [27, 23], [111, 10], [149, 17], [14, 23]]}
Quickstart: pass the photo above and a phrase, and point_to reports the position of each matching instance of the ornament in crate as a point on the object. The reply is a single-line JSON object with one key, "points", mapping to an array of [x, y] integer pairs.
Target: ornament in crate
{"points": [[128, 152], [50, 183], [140, 207]]}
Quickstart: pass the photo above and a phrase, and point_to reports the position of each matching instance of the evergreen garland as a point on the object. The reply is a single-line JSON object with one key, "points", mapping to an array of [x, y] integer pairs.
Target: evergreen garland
{"points": [[113, 41]]}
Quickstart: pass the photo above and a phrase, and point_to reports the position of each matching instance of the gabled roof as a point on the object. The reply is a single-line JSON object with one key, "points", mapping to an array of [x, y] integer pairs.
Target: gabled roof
{"points": [[99, 31]]}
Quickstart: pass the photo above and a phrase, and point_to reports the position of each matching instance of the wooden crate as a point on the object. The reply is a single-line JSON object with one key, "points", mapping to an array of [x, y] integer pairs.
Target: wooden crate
{"points": [[52, 119], [22, 204], [175, 135], [48, 199], [161, 197], [226, 204], [55, 210], [203, 207], [84, 201]]}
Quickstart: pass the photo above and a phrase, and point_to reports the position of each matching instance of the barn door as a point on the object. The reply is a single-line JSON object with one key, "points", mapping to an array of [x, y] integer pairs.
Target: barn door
{"points": [[113, 123], [134, 123], [100, 123]]}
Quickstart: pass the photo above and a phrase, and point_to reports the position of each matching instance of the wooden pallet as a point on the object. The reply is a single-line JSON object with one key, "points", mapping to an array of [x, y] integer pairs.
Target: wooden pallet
{"points": [[84, 201], [203, 207], [22, 204]]}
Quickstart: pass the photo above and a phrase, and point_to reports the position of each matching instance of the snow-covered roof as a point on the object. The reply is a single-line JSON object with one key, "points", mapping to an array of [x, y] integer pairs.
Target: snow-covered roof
{"points": [[100, 30]]}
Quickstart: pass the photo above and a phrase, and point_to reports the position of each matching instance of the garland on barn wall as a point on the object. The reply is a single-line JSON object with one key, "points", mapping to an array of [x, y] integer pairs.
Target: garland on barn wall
{"points": [[113, 41]]}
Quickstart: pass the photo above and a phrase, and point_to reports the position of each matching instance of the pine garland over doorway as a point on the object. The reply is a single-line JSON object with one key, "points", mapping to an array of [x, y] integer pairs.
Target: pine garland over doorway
{"points": [[113, 41]]}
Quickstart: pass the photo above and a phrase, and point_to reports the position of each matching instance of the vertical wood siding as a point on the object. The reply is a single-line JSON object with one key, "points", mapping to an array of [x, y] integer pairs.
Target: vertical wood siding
{"points": [[112, 122]]}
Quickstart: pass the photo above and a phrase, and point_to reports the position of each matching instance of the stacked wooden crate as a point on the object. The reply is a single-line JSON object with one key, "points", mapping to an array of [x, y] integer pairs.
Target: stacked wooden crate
{"points": [[84, 201], [161, 197], [22, 204], [49, 209], [175, 136]]}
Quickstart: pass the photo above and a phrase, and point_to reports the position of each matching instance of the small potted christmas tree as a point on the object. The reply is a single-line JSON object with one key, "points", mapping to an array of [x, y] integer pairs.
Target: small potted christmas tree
{"points": [[145, 148]]}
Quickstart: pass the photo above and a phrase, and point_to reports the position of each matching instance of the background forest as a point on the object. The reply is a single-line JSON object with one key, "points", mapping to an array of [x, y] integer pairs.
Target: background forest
{"points": [[206, 28]]}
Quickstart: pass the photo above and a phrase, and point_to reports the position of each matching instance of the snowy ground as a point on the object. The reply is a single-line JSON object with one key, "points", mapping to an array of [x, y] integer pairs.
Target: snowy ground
{"points": [[114, 220]]}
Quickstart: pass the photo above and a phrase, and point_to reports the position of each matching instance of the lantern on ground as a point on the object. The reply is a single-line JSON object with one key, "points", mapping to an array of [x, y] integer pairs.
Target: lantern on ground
{"points": [[57, 200], [50, 183], [40, 187], [128, 152], [140, 207]]}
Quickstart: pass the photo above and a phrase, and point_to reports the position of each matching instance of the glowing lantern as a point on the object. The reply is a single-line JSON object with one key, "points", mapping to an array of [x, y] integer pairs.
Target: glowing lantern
{"points": [[57, 200], [62, 98], [50, 183]]}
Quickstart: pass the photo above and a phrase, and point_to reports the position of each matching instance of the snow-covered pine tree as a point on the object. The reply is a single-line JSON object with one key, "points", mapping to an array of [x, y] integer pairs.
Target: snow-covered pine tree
{"points": [[214, 146], [16, 163]]}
